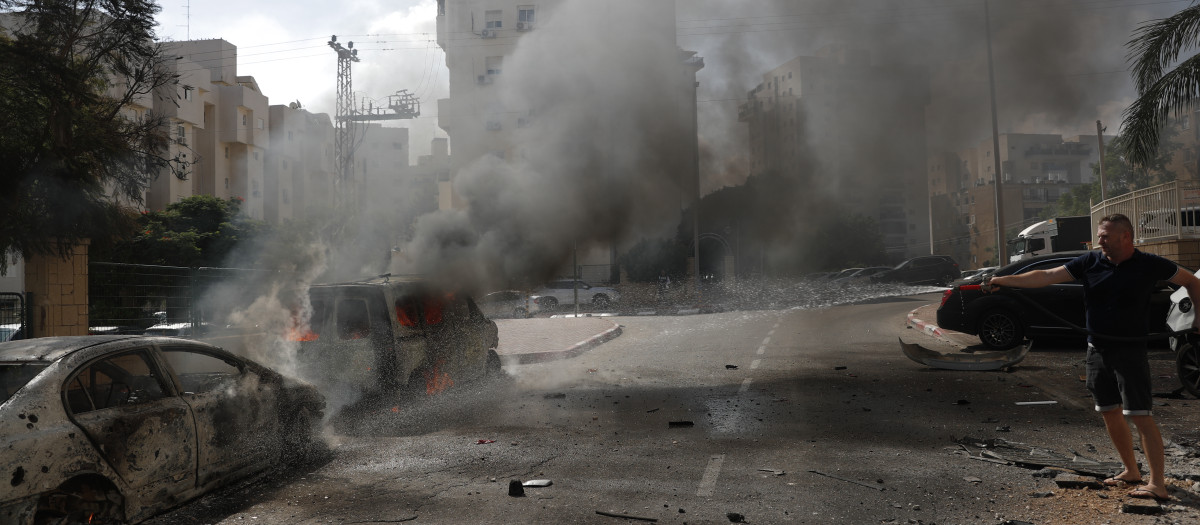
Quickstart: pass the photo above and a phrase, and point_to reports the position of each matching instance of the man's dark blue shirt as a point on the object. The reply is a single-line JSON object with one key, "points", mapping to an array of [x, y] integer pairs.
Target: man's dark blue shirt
{"points": [[1118, 295]]}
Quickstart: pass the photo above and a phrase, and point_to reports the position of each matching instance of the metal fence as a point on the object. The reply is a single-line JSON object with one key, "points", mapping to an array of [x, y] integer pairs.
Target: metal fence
{"points": [[1164, 212], [13, 317], [129, 298]]}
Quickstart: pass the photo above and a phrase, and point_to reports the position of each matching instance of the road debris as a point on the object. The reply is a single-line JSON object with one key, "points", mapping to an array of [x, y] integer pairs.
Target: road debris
{"points": [[537, 483], [485, 441], [997, 450], [1072, 481], [1141, 506], [972, 479], [776, 472], [626, 516], [846, 480], [1029, 403], [731, 367], [516, 489], [558, 395], [966, 361], [680, 424], [735, 517]]}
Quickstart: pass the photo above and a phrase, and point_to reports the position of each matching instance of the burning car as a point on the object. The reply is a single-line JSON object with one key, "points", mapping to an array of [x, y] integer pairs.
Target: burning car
{"points": [[112, 429], [377, 336]]}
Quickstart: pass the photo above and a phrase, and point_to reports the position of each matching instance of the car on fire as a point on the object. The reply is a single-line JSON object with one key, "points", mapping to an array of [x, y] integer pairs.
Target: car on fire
{"points": [[1002, 321], [117, 428], [387, 334]]}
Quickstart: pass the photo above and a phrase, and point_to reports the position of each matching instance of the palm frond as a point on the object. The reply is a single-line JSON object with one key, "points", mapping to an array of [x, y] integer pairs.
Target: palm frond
{"points": [[1170, 95], [1157, 44]]}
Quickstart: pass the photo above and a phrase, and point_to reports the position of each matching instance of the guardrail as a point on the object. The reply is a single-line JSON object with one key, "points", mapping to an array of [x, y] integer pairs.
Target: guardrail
{"points": [[1168, 211]]}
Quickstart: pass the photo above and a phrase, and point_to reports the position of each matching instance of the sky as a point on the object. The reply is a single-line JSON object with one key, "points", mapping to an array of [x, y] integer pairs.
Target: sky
{"points": [[1060, 64]]}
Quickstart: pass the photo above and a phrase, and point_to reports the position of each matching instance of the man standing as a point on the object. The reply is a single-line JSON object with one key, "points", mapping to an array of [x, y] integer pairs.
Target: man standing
{"points": [[1118, 282]]}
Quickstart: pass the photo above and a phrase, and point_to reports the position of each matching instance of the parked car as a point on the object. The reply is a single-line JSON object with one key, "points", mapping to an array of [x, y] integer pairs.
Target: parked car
{"points": [[936, 270], [9, 332], [376, 336], [562, 291], [115, 429], [1002, 321], [976, 274], [509, 303], [1186, 346], [176, 330], [861, 275]]}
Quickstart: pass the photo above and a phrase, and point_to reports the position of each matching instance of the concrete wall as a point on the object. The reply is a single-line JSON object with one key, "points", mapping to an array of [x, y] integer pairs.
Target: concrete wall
{"points": [[1184, 252]]}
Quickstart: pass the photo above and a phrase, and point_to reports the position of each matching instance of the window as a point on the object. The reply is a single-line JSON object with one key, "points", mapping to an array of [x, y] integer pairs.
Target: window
{"points": [[286, 200], [493, 65], [352, 319], [187, 92], [494, 19], [122, 380], [227, 156], [256, 155], [254, 188], [245, 119], [199, 373], [181, 134], [525, 17], [261, 123], [226, 182]]}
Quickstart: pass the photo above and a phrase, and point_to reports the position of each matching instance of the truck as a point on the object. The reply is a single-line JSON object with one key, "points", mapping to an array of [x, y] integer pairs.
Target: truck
{"points": [[1059, 234]]}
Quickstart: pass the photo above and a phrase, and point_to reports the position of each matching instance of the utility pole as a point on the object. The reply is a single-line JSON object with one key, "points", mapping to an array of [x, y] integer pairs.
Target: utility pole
{"points": [[1100, 139], [999, 199], [343, 135]]}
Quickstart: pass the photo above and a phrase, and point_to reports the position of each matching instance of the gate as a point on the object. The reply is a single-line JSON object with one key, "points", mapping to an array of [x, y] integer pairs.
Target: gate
{"points": [[13, 317]]}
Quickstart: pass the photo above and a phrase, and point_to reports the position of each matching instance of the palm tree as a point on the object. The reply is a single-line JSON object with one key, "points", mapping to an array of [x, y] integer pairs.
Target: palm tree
{"points": [[1155, 46]]}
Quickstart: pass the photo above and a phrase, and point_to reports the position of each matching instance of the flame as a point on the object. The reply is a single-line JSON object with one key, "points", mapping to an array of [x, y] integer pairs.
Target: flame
{"points": [[437, 381], [301, 332]]}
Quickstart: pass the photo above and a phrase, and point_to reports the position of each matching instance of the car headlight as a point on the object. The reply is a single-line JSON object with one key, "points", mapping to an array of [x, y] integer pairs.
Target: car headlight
{"points": [[1185, 305]]}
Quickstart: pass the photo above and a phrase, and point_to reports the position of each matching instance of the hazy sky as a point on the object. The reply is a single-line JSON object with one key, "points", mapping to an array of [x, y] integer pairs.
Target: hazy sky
{"points": [[1060, 63]]}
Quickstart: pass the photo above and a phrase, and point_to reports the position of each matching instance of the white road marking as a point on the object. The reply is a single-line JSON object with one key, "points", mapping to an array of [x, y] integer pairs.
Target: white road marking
{"points": [[762, 350], [754, 364], [745, 386], [766, 341], [708, 482], [771, 333]]}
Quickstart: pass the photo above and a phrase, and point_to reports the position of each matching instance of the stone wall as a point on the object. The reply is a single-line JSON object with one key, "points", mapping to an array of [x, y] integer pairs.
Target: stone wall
{"points": [[1185, 252], [60, 293]]}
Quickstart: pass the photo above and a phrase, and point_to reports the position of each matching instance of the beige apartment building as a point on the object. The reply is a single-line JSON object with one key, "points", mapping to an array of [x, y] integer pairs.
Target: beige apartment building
{"points": [[299, 171], [482, 119], [853, 132]]}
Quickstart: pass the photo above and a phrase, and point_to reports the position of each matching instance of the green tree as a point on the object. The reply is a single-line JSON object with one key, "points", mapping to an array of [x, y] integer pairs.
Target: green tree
{"points": [[70, 72], [196, 231], [1156, 46]]}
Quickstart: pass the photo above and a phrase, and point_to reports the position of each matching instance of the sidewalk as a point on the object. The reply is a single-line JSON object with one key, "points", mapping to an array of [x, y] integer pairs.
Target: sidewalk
{"points": [[524, 341], [924, 319]]}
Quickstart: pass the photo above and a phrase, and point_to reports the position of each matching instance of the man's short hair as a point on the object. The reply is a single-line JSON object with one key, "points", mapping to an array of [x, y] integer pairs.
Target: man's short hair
{"points": [[1118, 219]]}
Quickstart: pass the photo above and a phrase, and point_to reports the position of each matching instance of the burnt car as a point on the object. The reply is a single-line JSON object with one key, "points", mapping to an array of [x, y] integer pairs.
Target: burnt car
{"points": [[115, 429], [937, 270], [379, 336], [1002, 320]]}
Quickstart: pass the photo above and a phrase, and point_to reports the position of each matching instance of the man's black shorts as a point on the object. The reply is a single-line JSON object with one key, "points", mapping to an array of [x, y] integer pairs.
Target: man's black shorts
{"points": [[1120, 378]]}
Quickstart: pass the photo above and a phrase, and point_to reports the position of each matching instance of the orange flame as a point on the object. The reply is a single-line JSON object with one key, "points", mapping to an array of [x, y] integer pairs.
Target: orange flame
{"points": [[302, 336], [437, 381]]}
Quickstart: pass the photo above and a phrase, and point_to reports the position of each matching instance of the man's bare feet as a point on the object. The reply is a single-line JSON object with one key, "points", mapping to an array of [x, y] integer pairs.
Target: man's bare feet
{"points": [[1124, 478], [1150, 492]]}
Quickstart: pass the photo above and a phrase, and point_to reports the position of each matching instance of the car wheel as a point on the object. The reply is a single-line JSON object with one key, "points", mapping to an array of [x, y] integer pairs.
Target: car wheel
{"points": [[494, 366], [549, 303], [1000, 329], [946, 279], [520, 313], [1187, 365], [298, 436], [601, 301], [80, 501]]}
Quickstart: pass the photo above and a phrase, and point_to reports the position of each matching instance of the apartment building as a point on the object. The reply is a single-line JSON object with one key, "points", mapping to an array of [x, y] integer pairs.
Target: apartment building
{"points": [[483, 119], [854, 132], [299, 171]]}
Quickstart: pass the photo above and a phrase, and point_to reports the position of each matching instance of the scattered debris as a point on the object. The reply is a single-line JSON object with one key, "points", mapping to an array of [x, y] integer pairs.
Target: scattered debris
{"points": [[1004, 428], [1027, 403], [1046, 473], [966, 361], [515, 489], [680, 424], [997, 450], [846, 480], [1046, 494], [1072, 481], [962, 402], [1141, 506], [776, 472], [557, 395], [735, 517], [972, 479], [537, 483], [731, 367], [839, 368], [626, 516], [485, 441], [652, 410]]}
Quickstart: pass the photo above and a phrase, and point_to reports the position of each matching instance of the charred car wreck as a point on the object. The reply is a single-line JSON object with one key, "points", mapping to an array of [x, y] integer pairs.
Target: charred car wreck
{"points": [[102, 429]]}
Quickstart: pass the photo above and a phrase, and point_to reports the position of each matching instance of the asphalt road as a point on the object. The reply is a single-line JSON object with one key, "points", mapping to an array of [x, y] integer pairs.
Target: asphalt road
{"points": [[789, 416]]}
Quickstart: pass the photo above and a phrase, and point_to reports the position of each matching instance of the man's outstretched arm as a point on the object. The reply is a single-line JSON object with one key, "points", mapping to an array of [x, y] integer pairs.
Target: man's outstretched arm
{"points": [[1037, 278]]}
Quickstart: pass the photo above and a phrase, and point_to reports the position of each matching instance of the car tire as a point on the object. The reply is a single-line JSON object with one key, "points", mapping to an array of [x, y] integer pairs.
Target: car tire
{"points": [[601, 301], [945, 280], [298, 436], [549, 303], [494, 366], [520, 313], [1187, 366], [1000, 329], [71, 504]]}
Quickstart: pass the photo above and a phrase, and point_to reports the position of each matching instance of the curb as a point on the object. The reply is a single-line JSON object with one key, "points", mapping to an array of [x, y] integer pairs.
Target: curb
{"points": [[571, 351], [926, 327]]}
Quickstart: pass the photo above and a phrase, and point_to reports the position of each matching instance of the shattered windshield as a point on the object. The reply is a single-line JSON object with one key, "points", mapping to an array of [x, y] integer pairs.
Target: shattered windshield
{"points": [[13, 376]]}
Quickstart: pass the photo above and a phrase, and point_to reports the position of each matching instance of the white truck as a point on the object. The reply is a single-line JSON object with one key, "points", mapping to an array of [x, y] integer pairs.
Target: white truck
{"points": [[1060, 234]]}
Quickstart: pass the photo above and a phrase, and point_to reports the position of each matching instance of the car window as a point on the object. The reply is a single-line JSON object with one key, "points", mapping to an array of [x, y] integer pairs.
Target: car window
{"points": [[1044, 265], [352, 319], [406, 312], [432, 306], [13, 376], [199, 372], [117, 381]]}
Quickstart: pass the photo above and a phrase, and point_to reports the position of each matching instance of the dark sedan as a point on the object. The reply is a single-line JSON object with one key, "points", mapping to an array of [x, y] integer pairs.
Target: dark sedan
{"points": [[1002, 321], [113, 429]]}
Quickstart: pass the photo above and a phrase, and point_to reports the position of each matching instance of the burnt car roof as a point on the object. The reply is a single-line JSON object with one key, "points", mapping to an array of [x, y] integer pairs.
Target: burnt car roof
{"points": [[53, 348], [379, 280]]}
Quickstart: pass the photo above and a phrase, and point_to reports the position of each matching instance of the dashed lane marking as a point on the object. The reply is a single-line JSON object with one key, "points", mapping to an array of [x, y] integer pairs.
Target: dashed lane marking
{"points": [[745, 386], [708, 482], [754, 364]]}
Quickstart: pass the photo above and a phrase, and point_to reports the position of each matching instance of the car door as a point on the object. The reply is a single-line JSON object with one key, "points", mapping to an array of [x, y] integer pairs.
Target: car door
{"points": [[128, 408], [235, 409], [1065, 300]]}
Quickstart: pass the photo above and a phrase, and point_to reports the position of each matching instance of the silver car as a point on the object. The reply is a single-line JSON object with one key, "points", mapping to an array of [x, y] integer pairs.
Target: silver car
{"points": [[508, 303], [119, 428]]}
